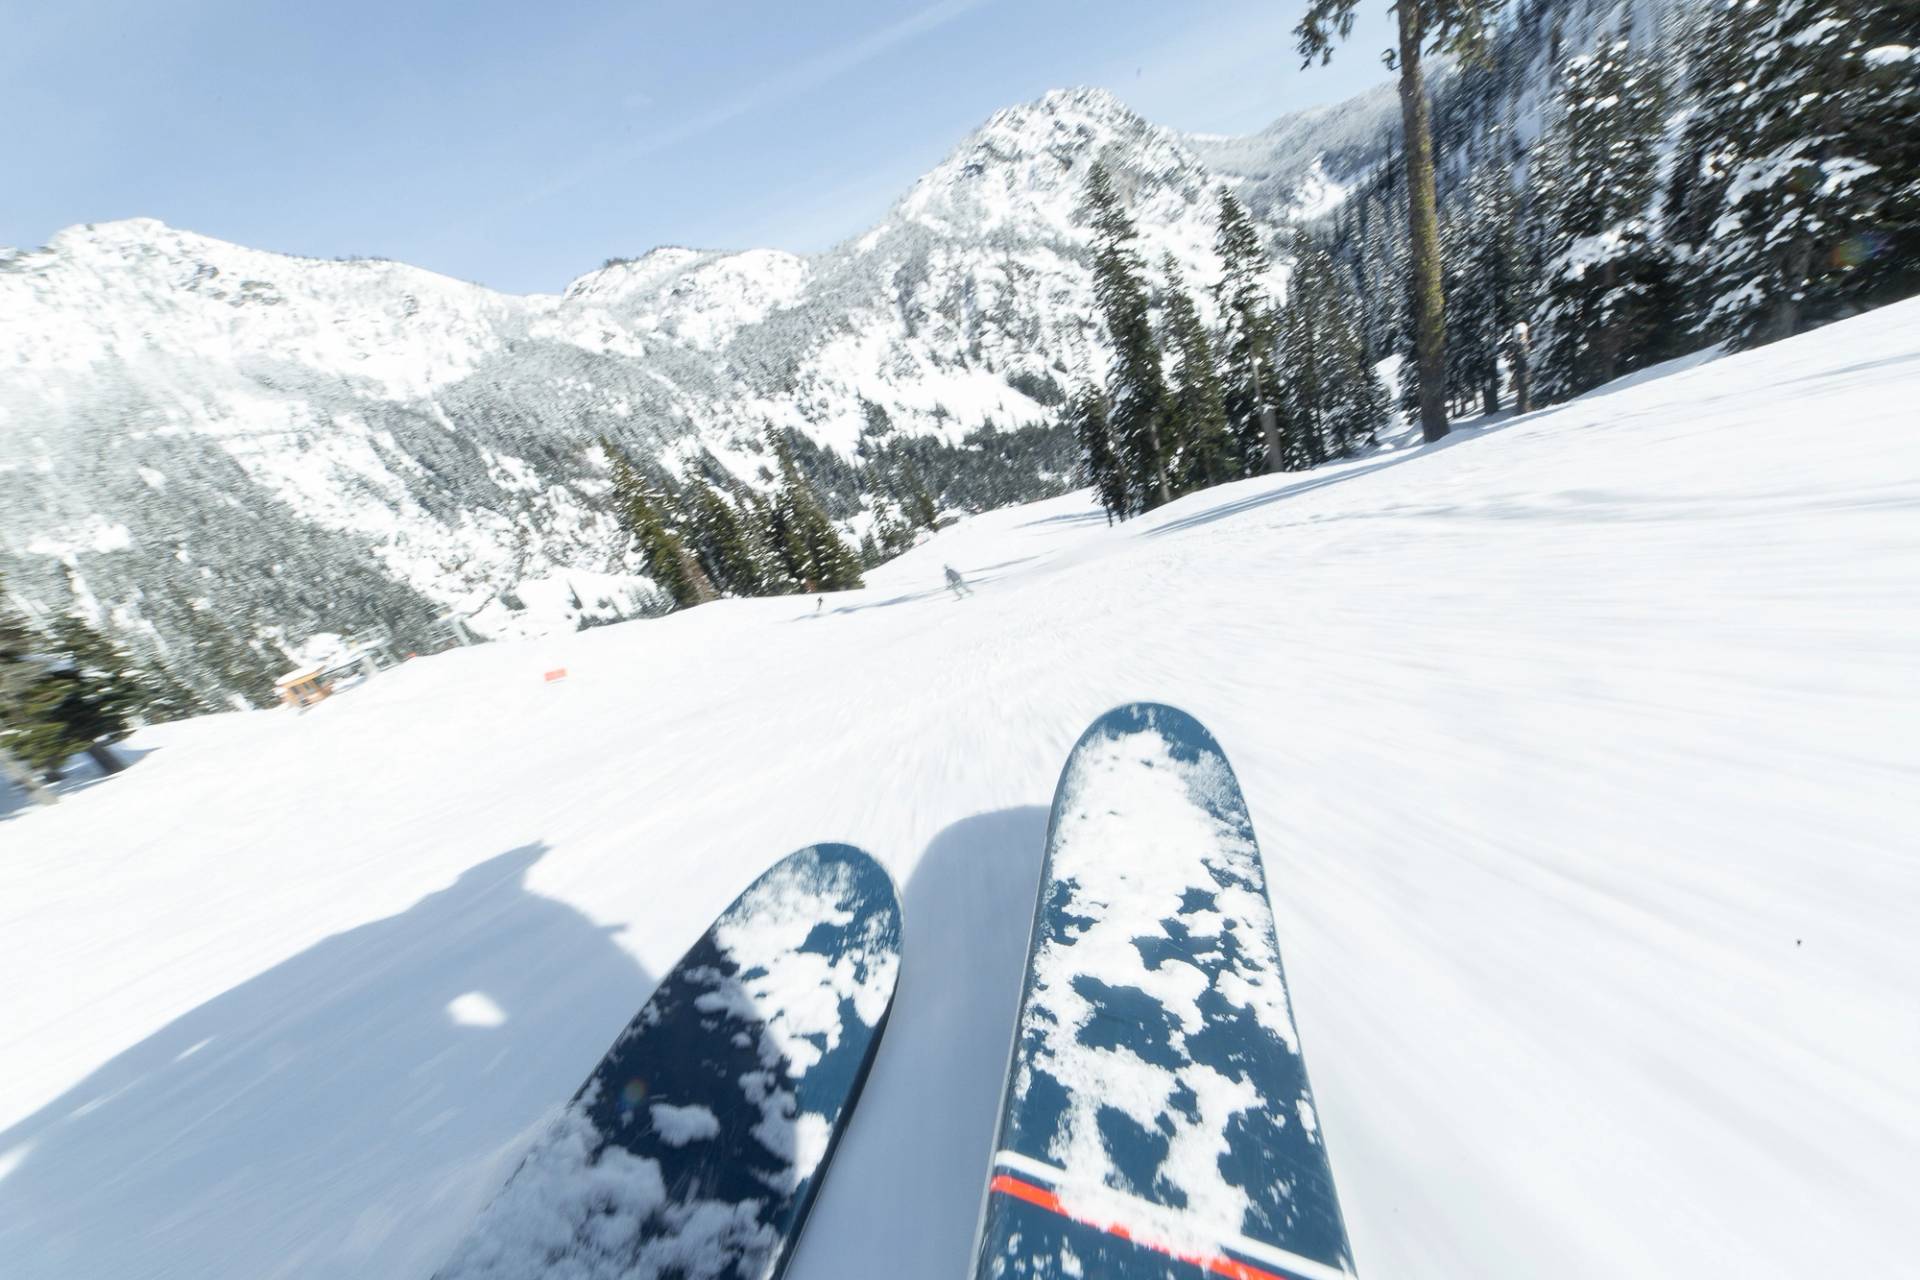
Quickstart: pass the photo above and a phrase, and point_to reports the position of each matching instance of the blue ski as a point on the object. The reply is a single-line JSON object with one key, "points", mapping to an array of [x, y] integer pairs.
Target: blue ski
{"points": [[1157, 1120], [697, 1146]]}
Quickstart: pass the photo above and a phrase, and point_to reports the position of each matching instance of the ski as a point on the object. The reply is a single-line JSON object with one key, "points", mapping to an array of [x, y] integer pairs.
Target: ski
{"points": [[698, 1144], [1157, 1120]]}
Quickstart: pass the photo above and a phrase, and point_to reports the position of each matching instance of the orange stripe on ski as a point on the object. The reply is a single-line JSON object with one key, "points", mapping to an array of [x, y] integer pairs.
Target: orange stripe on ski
{"points": [[1215, 1264]]}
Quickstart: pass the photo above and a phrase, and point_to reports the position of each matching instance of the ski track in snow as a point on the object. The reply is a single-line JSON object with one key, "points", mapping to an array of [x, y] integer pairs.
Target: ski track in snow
{"points": [[1580, 749]]}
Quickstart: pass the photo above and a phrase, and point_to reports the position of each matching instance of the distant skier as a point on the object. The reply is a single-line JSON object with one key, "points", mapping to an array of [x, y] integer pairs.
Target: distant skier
{"points": [[957, 583]]}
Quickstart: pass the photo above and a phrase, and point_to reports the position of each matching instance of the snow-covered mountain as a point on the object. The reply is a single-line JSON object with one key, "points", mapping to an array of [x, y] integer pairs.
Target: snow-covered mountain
{"points": [[197, 436], [189, 427]]}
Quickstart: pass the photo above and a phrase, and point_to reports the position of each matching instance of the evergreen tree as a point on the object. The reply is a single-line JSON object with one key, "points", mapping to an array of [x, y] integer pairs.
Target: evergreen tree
{"points": [[893, 532], [113, 678], [1492, 292], [52, 707], [723, 541], [1249, 378], [1804, 202], [917, 503], [242, 670], [1451, 27], [1334, 400], [1203, 451], [22, 661], [1383, 276], [816, 558], [1607, 286], [1464, 352], [673, 568], [1086, 415], [1136, 391], [162, 695], [67, 712]]}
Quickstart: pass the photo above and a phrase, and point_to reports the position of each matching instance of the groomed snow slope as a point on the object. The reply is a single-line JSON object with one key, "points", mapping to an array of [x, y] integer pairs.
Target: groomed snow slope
{"points": [[1582, 749]]}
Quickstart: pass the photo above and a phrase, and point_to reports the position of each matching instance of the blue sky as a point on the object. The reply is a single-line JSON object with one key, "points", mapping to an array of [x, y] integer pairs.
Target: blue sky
{"points": [[520, 144]]}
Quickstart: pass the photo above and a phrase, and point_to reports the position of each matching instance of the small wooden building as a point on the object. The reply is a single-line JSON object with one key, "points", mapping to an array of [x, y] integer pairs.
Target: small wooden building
{"points": [[304, 687]]}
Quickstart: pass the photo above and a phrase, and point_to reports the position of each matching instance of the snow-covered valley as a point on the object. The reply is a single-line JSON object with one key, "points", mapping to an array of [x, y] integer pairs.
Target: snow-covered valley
{"points": [[1580, 747]]}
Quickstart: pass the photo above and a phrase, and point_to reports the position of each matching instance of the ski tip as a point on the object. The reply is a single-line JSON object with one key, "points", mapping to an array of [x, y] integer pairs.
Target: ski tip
{"points": [[849, 877], [862, 864], [1181, 730]]}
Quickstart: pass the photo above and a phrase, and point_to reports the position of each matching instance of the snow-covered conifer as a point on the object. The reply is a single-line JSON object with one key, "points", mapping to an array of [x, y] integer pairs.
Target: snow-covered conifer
{"points": [[1203, 452], [1804, 199], [1086, 415], [1249, 378], [1136, 388], [1607, 304]]}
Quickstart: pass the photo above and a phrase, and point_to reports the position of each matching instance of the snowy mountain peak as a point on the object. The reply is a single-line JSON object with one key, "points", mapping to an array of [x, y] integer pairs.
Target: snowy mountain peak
{"points": [[624, 275], [1025, 169], [1081, 102], [429, 436]]}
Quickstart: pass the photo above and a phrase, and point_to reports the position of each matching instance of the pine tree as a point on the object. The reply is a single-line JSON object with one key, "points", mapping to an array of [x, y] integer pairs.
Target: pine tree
{"points": [[915, 500], [1383, 275], [113, 678], [892, 532], [1451, 27], [673, 568], [1491, 294], [815, 556], [1334, 400], [1136, 390], [242, 669], [65, 712], [1805, 202], [1203, 451], [722, 539], [1086, 415], [1249, 377], [52, 707], [1307, 361], [22, 661], [1607, 286], [164, 696]]}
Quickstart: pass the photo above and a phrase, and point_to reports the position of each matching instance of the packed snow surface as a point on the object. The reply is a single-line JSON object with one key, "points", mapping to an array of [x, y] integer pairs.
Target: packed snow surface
{"points": [[1580, 748]]}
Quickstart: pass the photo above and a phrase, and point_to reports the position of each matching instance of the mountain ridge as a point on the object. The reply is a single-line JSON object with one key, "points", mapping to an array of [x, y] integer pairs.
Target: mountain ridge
{"points": [[197, 435], [438, 432]]}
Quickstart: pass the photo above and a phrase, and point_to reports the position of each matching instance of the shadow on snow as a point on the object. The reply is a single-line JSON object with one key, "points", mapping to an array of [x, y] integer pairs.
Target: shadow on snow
{"points": [[82, 774], [310, 1120], [1459, 435], [920, 1141]]}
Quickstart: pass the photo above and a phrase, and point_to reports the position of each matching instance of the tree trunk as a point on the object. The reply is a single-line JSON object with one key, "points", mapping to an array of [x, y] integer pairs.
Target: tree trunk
{"points": [[1423, 225], [1270, 424], [102, 755], [1159, 460], [1522, 370], [1609, 342], [1785, 319], [1490, 396], [26, 778]]}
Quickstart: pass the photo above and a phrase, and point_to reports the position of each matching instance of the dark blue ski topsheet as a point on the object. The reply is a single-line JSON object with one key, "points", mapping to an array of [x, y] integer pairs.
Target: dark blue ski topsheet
{"points": [[695, 1149], [1157, 1119]]}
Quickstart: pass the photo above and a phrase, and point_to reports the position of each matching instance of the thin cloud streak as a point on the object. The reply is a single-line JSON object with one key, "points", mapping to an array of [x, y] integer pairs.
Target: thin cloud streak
{"points": [[810, 74]]}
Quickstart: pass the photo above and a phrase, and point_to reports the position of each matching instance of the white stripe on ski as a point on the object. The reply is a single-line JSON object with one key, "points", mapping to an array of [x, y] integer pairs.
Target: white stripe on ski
{"points": [[1257, 1250]]}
